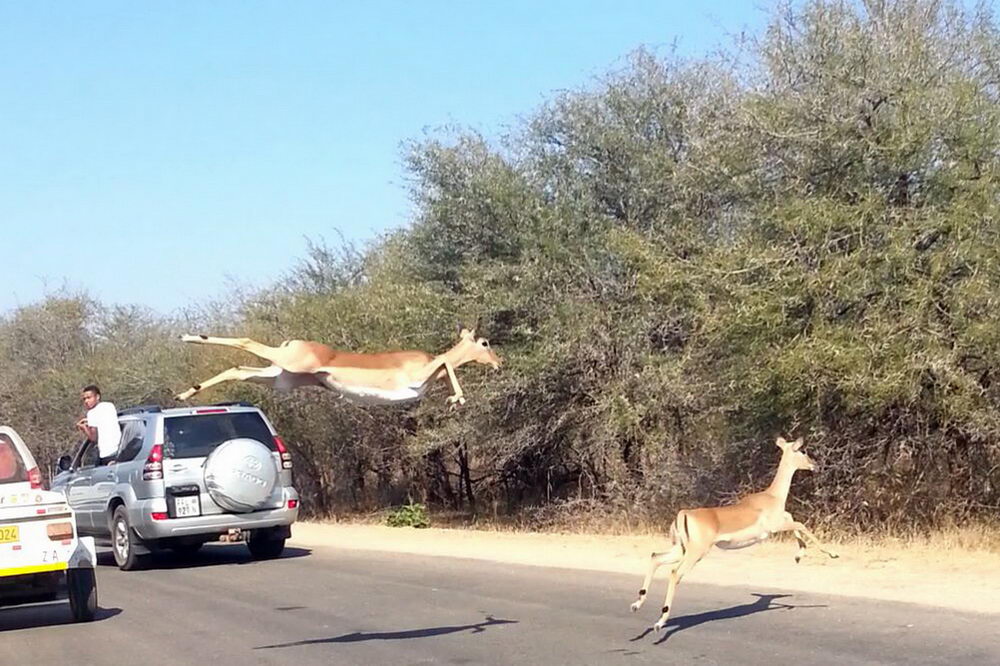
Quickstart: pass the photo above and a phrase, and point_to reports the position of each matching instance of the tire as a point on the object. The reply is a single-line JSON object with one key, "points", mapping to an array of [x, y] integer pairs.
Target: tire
{"points": [[82, 587], [263, 546], [124, 542], [240, 475]]}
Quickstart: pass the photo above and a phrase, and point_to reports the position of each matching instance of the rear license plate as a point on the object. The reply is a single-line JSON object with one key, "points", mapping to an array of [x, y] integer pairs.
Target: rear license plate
{"points": [[10, 534], [187, 506]]}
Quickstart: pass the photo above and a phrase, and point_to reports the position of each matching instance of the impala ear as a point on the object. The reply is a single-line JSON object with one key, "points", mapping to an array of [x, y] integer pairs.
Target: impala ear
{"points": [[782, 444], [797, 444]]}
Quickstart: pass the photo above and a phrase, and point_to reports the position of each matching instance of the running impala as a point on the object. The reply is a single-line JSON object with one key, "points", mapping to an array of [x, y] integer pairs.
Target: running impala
{"points": [[751, 520], [373, 378]]}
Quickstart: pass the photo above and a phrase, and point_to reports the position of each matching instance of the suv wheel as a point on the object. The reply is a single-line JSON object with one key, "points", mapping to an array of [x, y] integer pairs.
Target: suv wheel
{"points": [[82, 587], [124, 542], [264, 545]]}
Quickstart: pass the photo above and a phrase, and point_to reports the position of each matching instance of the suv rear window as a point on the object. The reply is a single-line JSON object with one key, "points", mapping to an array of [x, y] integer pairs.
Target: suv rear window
{"points": [[11, 466], [197, 436]]}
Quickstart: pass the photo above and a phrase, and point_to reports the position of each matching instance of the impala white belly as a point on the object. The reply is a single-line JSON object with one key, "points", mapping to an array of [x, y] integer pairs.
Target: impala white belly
{"points": [[282, 380], [370, 395], [741, 540]]}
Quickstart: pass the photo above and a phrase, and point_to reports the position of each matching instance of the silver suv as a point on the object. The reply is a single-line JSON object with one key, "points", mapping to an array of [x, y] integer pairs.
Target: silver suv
{"points": [[183, 477]]}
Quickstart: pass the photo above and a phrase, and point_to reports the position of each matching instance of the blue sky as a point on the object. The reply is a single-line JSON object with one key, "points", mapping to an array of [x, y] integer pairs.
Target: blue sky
{"points": [[158, 153]]}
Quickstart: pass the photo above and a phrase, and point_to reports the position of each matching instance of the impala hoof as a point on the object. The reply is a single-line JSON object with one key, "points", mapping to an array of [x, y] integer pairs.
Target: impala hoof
{"points": [[833, 556], [636, 605], [658, 627]]}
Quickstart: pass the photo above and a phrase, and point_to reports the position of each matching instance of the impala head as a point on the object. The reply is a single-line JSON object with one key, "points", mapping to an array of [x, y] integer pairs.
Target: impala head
{"points": [[791, 454], [475, 349]]}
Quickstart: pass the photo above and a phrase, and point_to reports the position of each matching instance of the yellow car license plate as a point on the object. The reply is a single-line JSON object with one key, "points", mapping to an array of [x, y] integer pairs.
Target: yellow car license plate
{"points": [[10, 534]]}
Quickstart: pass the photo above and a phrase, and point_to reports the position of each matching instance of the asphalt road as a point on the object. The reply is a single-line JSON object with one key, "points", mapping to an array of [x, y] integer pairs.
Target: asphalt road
{"points": [[336, 606]]}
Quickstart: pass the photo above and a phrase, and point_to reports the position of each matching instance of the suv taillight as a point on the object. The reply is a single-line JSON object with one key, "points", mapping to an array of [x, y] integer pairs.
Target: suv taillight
{"points": [[286, 457], [35, 478], [153, 469]]}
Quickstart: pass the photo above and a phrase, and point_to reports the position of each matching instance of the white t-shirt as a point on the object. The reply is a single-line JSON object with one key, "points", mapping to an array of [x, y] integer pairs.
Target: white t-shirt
{"points": [[104, 417]]}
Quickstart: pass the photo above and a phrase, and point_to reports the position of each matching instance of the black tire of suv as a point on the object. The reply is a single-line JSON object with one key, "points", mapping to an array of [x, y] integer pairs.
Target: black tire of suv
{"points": [[264, 546], [82, 587], [129, 560]]}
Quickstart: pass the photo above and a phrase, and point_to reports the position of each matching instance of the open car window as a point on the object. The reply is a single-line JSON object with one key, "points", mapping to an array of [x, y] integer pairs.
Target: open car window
{"points": [[88, 457]]}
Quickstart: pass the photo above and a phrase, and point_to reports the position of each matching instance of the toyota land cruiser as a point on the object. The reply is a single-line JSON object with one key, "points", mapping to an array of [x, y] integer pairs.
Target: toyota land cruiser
{"points": [[183, 477]]}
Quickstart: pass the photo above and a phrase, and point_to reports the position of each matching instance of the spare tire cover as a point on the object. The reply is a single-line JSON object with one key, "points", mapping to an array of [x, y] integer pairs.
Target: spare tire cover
{"points": [[240, 474]]}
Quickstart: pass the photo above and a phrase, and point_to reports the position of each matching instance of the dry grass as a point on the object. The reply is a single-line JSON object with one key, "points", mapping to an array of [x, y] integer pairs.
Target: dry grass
{"points": [[976, 538], [970, 538]]}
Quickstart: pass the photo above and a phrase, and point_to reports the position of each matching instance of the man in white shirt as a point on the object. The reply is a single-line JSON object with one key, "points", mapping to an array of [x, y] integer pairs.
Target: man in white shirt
{"points": [[100, 424]]}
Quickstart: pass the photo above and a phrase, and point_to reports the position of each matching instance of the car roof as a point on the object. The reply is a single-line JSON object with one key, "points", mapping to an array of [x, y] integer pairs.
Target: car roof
{"points": [[215, 408]]}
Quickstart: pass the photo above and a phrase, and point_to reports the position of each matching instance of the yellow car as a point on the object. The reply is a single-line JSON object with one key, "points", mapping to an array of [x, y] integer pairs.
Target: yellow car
{"points": [[39, 545]]}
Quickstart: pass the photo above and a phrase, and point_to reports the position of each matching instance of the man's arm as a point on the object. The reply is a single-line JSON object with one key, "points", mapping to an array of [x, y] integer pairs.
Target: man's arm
{"points": [[89, 431]]}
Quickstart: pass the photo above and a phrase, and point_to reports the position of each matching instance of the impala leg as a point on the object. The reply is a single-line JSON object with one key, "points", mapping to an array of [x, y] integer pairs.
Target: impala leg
{"points": [[458, 395], [690, 558], [802, 534], [239, 373], [439, 368], [802, 546], [656, 560], [246, 344], [801, 530]]}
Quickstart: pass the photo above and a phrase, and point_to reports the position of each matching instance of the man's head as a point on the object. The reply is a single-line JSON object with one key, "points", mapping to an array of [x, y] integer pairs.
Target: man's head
{"points": [[90, 395]]}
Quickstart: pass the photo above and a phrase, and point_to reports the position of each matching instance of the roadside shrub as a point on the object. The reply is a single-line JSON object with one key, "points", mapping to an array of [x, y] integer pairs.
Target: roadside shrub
{"points": [[409, 515]]}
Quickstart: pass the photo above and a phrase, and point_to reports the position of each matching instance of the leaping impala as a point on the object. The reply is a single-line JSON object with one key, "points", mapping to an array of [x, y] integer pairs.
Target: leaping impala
{"points": [[376, 378], [745, 523]]}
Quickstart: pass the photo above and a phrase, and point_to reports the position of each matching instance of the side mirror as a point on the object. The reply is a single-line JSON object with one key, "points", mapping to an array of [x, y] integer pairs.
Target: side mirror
{"points": [[64, 464]]}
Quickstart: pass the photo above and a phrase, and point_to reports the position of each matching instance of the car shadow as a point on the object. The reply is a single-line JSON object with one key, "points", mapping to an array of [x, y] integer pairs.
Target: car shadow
{"points": [[361, 636], [208, 556], [46, 614], [763, 603]]}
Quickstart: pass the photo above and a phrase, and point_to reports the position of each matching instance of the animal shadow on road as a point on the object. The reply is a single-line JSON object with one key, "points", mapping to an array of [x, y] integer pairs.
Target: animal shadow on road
{"points": [[359, 636], [47, 614], [764, 602]]}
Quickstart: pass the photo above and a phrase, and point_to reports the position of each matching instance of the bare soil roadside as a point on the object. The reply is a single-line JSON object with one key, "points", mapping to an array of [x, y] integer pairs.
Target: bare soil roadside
{"points": [[967, 581]]}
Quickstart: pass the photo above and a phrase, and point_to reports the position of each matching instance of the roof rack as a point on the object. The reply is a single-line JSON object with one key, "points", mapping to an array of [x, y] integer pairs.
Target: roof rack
{"points": [[140, 409], [238, 403]]}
